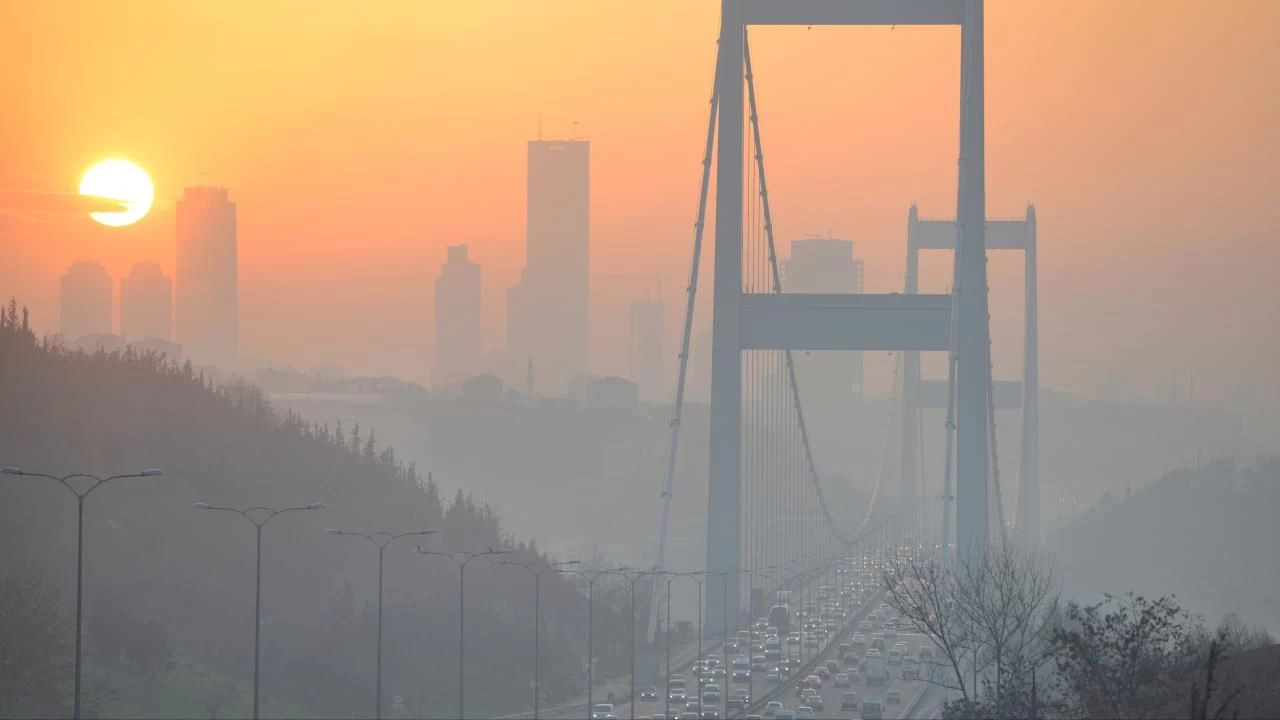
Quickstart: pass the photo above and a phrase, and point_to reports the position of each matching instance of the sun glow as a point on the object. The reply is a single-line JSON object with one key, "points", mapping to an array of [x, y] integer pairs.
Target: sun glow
{"points": [[123, 181]]}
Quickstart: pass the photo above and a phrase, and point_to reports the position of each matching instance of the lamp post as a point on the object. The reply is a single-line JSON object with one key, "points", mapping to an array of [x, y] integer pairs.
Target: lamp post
{"points": [[380, 539], [259, 516], [591, 591], [462, 559], [633, 580], [80, 496], [537, 619]]}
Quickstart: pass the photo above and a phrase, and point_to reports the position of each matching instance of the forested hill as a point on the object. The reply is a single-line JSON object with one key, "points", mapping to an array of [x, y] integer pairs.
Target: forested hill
{"points": [[1206, 534], [183, 579]]}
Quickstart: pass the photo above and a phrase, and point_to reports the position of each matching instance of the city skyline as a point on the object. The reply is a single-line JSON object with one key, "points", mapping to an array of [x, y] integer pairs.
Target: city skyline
{"points": [[336, 234]]}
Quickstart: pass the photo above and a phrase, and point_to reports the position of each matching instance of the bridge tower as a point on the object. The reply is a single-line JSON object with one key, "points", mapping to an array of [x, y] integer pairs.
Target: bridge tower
{"points": [[918, 394], [845, 321]]}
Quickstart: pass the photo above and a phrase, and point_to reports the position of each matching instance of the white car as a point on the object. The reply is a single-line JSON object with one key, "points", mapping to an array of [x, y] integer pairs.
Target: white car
{"points": [[602, 711], [772, 708]]}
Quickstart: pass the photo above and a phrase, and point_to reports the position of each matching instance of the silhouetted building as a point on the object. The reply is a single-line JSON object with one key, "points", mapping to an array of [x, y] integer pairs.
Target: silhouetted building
{"points": [[826, 265], [146, 303], [85, 301], [547, 313], [159, 346], [645, 340], [207, 308], [599, 392], [459, 338]]}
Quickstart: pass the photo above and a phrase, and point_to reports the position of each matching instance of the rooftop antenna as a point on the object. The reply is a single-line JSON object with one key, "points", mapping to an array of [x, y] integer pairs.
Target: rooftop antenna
{"points": [[574, 131]]}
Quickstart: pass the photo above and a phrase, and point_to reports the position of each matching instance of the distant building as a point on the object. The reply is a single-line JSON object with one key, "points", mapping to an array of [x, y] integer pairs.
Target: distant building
{"points": [[93, 343], [825, 265], [646, 353], [459, 337], [547, 313], [170, 350], [207, 311], [146, 303], [86, 296], [605, 392]]}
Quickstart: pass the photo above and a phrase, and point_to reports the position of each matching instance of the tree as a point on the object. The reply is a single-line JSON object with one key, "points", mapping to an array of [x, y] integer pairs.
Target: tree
{"points": [[992, 622], [1124, 657], [35, 644]]}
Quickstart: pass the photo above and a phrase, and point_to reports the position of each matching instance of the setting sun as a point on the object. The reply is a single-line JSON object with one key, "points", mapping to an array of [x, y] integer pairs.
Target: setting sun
{"points": [[123, 181]]}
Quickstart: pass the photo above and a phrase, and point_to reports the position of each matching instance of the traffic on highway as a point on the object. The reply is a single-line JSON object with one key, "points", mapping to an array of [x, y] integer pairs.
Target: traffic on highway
{"points": [[835, 652]]}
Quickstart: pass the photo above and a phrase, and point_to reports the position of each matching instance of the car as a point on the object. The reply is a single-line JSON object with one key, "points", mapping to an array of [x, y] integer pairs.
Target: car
{"points": [[911, 672], [693, 706], [649, 693], [772, 708], [815, 681], [784, 715], [811, 641], [794, 661], [814, 701], [895, 657], [710, 714], [850, 658], [865, 625], [773, 676], [758, 663], [602, 711], [874, 620], [676, 695], [823, 673], [689, 716], [793, 638], [893, 697], [849, 701], [738, 699], [805, 711], [840, 680], [890, 634], [802, 686]]}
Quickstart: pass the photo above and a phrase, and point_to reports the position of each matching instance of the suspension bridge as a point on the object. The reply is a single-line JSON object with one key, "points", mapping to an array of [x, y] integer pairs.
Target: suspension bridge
{"points": [[766, 502]]}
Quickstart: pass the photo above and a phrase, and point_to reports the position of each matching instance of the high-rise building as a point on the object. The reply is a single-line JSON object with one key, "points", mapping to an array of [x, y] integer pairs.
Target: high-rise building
{"points": [[86, 295], [146, 304], [553, 297], [459, 338], [645, 340], [830, 381], [827, 265], [207, 309]]}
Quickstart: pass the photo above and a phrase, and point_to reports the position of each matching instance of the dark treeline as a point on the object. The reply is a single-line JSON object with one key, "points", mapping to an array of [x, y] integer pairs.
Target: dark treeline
{"points": [[169, 590]]}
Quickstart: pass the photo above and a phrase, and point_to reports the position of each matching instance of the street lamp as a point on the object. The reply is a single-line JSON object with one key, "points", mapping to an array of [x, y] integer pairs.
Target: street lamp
{"points": [[259, 516], [633, 580], [591, 592], [80, 496], [461, 559], [381, 539], [537, 619]]}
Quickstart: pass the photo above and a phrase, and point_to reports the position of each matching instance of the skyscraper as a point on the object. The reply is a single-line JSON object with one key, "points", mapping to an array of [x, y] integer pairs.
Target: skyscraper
{"points": [[459, 339], [826, 265], [645, 340], [85, 301], [552, 300], [208, 311], [146, 303]]}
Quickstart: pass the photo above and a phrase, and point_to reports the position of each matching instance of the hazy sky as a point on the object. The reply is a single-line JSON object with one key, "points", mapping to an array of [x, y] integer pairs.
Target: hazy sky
{"points": [[359, 139]]}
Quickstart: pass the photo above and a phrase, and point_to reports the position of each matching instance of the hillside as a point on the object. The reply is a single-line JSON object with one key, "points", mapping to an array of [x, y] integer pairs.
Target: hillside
{"points": [[1207, 535], [169, 591]]}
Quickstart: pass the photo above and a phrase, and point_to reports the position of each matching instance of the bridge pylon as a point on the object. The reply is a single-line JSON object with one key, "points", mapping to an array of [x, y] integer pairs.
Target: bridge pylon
{"points": [[795, 321]]}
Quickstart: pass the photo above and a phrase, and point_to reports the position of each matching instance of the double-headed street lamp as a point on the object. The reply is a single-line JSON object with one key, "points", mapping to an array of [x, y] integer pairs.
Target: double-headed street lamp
{"points": [[259, 516], [80, 496], [462, 559], [537, 568], [381, 539], [591, 578]]}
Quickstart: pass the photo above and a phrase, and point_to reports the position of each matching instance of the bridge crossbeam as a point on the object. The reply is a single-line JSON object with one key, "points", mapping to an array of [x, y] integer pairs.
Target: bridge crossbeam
{"points": [[845, 321], [852, 12]]}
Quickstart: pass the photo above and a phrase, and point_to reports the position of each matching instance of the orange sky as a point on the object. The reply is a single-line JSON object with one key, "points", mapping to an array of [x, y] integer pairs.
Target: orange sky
{"points": [[359, 139]]}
